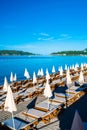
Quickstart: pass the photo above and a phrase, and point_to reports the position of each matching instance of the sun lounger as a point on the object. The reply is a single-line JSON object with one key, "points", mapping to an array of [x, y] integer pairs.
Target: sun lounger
{"points": [[62, 95], [74, 87], [20, 124], [34, 113], [44, 106], [42, 116], [57, 99]]}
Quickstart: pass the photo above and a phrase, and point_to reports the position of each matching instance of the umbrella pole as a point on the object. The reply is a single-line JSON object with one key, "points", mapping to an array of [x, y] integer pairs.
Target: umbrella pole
{"points": [[13, 121]]}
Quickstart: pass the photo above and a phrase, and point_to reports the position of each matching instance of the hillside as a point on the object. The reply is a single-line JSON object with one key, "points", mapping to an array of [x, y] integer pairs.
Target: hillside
{"points": [[14, 52], [82, 52]]}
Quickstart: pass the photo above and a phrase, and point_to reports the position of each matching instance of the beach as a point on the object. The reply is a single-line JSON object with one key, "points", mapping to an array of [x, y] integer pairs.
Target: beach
{"points": [[63, 121]]}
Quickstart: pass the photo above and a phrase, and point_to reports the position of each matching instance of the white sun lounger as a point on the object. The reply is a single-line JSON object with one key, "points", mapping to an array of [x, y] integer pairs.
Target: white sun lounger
{"points": [[44, 106], [34, 113], [58, 99]]}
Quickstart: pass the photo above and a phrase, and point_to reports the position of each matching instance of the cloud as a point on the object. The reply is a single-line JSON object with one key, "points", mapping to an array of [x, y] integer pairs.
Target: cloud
{"points": [[65, 36], [45, 39], [44, 34]]}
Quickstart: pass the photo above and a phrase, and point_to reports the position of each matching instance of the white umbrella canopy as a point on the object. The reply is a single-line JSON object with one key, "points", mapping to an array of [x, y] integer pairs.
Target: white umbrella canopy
{"points": [[81, 78], [10, 104], [68, 78], [11, 77], [5, 87], [34, 78], [66, 67], [42, 73], [76, 65], [26, 73], [53, 69], [47, 75], [81, 66], [15, 77], [47, 91], [39, 73], [77, 122], [61, 71]]}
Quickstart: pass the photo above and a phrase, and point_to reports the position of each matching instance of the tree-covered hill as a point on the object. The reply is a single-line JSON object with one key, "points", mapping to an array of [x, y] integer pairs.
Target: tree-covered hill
{"points": [[82, 52], [14, 52]]}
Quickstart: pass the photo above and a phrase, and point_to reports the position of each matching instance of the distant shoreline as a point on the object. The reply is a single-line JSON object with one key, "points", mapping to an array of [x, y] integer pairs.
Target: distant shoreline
{"points": [[61, 53]]}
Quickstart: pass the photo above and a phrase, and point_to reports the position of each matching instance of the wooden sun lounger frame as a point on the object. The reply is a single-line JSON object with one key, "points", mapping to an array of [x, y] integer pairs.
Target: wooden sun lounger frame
{"points": [[31, 125], [48, 116]]}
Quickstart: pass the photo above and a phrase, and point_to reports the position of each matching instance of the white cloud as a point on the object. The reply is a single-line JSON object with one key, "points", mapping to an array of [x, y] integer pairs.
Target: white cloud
{"points": [[45, 39], [65, 36], [44, 34]]}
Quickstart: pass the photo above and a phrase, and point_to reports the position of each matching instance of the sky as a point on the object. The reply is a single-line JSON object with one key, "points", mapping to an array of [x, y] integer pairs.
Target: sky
{"points": [[43, 26]]}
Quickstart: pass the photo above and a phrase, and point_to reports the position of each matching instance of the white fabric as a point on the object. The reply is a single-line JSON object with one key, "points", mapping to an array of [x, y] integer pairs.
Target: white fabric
{"points": [[26, 73], [66, 67], [47, 75], [68, 78], [11, 77], [15, 77], [47, 90], [77, 122], [61, 71], [39, 73], [9, 102], [81, 78], [42, 73], [53, 70], [34, 78], [5, 87]]}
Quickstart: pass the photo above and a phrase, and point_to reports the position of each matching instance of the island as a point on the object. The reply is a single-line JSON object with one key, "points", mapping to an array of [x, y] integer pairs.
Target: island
{"points": [[14, 52], [72, 52]]}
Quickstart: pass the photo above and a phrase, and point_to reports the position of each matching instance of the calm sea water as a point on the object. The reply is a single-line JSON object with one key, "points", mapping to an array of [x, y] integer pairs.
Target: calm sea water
{"points": [[17, 64]]}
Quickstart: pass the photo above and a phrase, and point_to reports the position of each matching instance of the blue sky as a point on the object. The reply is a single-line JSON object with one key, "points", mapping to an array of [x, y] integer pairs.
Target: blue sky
{"points": [[43, 26]]}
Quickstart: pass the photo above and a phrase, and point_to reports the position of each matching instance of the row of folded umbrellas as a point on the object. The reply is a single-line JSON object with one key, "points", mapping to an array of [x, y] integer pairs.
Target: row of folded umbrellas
{"points": [[41, 72], [68, 76]]}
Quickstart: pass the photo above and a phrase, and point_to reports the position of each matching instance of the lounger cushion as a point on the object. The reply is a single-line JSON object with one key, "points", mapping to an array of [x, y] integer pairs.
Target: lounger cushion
{"points": [[35, 113], [18, 123]]}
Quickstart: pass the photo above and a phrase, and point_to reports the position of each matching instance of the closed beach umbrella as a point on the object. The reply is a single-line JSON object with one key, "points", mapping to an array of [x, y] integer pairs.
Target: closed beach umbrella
{"points": [[66, 67], [47, 75], [34, 78], [81, 78], [81, 66], [10, 104], [47, 91], [42, 73], [61, 71], [26, 73], [68, 78], [76, 65], [53, 69], [15, 77], [5, 87], [77, 122], [11, 77], [39, 73]]}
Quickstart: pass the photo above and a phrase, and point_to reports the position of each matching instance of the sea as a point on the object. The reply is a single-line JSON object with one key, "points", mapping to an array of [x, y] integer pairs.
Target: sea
{"points": [[17, 64]]}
